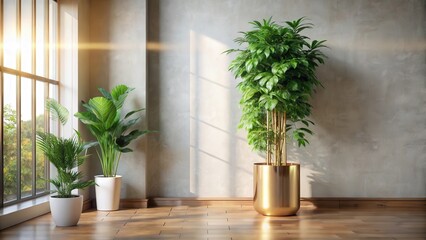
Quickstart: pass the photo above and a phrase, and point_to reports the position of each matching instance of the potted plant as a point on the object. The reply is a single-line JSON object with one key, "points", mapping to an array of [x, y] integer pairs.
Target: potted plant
{"points": [[65, 154], [276, 65], [106, 121]]}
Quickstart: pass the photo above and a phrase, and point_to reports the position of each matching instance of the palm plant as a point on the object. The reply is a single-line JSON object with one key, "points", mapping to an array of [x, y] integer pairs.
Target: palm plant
{"points": [[64, 153], [277, 67], [105, 119]]}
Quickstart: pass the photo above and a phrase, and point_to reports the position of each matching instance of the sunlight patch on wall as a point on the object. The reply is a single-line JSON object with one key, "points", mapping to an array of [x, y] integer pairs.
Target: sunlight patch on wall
{"points": [[210, 137]]}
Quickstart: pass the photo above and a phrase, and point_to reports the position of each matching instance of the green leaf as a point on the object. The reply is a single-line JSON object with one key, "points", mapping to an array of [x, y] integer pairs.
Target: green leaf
{"points": [[259, 76], [265, 79], [249, 94], [270, 85], [286, 95], [125, 150], [292, 85], [133, 112], [88, 145], [104, 110], [57, 111], [267, 52], [249, 65], [105, 93], [271, 104], [88, 118], [119, 95], [306, 130], [293, 63], [274, 79], [275, 68], [123, 141]]}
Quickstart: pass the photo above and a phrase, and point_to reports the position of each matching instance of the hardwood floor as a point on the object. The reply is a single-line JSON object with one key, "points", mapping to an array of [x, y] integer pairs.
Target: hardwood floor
{"points": [[230, 222]]}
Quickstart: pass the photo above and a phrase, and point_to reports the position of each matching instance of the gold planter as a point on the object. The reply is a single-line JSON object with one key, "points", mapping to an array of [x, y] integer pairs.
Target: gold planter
{"points": [[276, 189]]}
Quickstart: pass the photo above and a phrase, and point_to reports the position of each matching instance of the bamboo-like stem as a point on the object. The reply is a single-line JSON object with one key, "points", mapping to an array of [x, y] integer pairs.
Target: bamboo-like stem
{"points": [[278, 137], [268, 143], [276, 149], [281, 137], [284, 145], [276, 142]]}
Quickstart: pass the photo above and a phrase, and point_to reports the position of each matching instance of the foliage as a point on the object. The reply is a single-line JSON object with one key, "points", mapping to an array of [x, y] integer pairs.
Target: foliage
{"points": [[277, 68], [104, 118], [64, 153], [10, 181]]}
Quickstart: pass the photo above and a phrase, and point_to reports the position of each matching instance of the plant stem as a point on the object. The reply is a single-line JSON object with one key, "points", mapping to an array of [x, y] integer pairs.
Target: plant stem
{"points": [[284, 144], [276, 122], [276, 139], [268, 143]]}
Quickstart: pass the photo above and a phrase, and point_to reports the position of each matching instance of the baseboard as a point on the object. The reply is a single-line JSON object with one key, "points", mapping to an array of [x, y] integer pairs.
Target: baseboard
{"points": [[87, 204], [162, 202], [133, 203], [341, 203], [124, 203], [417, 203]]}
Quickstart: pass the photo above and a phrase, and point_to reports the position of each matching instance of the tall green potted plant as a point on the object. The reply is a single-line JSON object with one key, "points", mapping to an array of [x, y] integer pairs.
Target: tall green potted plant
{"points": [[105, 119], [65, 154], [276, 65]]}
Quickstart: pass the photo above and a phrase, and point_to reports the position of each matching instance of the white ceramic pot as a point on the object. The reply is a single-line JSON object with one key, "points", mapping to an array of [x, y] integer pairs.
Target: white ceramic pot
{"points": [[66, 211], [107, 192]]}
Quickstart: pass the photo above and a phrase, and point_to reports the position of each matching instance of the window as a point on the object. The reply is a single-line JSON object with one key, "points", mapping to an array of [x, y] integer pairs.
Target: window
{"points": [[28, 75]]}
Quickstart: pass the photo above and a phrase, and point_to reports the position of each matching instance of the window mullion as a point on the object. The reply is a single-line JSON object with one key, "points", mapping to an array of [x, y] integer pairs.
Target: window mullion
{"points": [[47, 73], [46, 36], [1, 111], [18, 103], [33, 101], [27, 75]]}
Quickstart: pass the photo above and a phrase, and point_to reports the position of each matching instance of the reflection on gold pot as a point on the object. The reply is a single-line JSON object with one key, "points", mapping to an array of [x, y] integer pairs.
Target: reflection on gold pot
{"points": [[276, 189]]}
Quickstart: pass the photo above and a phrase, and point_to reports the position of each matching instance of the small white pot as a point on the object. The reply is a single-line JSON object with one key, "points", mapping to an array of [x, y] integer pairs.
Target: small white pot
{"points": [[66, 211], [107, 192]]}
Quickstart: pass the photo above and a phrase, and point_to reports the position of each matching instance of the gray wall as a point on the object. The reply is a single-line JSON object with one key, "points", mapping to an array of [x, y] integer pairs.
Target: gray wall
{"points": [[370, 133], [118, 56]]}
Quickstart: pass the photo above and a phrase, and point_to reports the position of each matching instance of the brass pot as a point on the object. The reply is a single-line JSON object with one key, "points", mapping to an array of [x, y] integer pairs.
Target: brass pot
{"points": [[276, 189]]}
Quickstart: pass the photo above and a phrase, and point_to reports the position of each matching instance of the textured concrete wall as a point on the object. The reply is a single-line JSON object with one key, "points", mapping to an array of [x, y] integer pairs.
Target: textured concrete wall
{"points": [[84, 77], [370, 118], [118, 56]]}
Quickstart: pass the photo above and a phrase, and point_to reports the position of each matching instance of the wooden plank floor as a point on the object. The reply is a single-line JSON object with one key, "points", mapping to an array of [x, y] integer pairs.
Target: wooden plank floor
{"points": [[230, 222]]}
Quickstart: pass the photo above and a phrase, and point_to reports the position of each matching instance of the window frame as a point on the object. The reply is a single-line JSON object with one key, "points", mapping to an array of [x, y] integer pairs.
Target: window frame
{"points": [[34, 78]]}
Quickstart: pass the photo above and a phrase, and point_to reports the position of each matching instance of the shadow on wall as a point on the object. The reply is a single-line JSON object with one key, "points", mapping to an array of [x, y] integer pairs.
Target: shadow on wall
{"points": [[341, 114], [154, 174], [99, 65]]}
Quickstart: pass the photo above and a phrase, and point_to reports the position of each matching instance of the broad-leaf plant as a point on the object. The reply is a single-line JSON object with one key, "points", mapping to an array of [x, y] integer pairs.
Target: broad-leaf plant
{"points": [[276, 65], [64, 153], [106, 121]]}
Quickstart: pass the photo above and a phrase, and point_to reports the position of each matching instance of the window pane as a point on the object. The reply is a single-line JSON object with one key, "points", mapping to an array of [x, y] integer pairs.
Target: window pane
{"points": [[26, 138], [53, 38], [53, 124], [40, 126], [41, 40], [9, 38], [10, 169], [26, 35]]}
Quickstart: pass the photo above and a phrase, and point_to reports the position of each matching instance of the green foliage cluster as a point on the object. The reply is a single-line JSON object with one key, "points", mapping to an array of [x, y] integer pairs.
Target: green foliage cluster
{"points": [[277, 67], [10, 168], [64, 153], [105, 119]]}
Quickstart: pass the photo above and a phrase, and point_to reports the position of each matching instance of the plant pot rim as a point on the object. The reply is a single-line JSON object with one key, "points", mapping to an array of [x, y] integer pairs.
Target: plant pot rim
{"points": [[73, 196], [102, 176], [271, 165]]}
